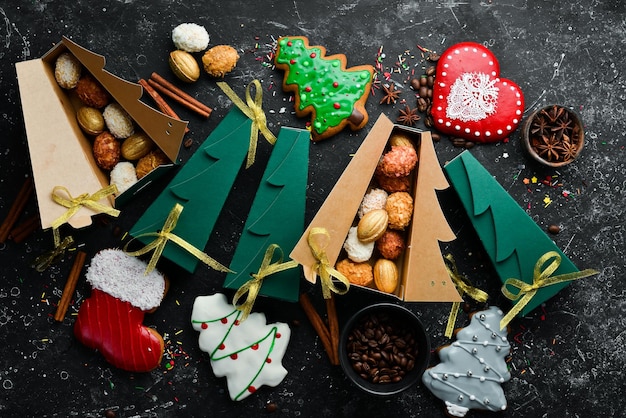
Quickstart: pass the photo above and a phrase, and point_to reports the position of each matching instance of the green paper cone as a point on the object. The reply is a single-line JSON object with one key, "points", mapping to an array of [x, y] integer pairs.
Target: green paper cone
{"points": [[276, 217], [201, 187], [513, 241]]}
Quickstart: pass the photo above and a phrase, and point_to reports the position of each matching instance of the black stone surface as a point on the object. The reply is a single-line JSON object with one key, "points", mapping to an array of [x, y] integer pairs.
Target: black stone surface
{"points": [[567, 358]]}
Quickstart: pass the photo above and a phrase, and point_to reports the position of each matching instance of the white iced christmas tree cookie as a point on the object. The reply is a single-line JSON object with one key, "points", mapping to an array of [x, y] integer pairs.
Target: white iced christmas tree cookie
{"points": [[248, 353], [472, 368]]}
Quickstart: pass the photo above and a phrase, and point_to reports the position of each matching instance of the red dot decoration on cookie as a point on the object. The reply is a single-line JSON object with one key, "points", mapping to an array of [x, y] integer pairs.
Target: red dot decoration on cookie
{"points": [[470, 99], [241, 351], [204, 325]]}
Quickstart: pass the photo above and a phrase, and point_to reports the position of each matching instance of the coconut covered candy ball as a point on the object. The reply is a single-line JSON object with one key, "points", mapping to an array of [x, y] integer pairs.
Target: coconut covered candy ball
{"points": [[190, 37]]}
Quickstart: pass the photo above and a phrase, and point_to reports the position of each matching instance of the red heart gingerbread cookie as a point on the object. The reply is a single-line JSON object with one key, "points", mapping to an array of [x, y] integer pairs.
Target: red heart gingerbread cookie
{"points": [[470, 100]]}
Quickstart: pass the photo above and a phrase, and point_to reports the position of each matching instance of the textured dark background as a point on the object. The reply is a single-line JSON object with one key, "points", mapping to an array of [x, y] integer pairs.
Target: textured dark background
{"points": [[567, 357]]}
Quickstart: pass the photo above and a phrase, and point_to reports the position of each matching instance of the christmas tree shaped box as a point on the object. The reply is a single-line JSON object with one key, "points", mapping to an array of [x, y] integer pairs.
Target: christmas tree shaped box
{"points": [[512, 240], [391, 183], [60, 151]]}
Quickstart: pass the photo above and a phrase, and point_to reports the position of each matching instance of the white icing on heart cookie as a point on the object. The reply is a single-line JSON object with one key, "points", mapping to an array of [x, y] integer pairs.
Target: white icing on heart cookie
{"points": [[470, 100], [248, 353]]}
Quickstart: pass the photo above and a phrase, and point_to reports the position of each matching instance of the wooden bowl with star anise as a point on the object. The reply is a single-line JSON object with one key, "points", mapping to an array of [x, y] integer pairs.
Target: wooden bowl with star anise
{"points": [[553, 135]]}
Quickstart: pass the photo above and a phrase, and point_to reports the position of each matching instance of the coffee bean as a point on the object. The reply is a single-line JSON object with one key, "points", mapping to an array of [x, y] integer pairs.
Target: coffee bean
{"points": [[381, 349], [431, 70], [423, 91], [554, 229]]}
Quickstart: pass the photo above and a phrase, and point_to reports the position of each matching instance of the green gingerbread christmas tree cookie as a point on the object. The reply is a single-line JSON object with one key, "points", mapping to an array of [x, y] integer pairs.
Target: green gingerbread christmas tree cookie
{"points": [[323, 87]]}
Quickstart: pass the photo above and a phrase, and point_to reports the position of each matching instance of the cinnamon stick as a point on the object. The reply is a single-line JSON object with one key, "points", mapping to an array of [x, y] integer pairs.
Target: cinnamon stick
{"points": [[319, 327], [160, 102], [70, 286], [167, 86], [333, 325], [16, 209], [23, 230], [178, 99]]}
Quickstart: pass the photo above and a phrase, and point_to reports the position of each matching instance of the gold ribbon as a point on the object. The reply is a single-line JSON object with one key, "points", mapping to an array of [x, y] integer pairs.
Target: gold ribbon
{"points": [[318, 241], [252, 109], [75, 203], [542, 277], [166, 235], [464, 288], [46, 259], [253, 286]]}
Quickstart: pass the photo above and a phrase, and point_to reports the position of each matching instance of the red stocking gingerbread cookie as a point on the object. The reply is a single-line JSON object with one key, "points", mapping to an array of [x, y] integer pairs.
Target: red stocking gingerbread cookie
{"points": [[470, 100], [111, 319]]}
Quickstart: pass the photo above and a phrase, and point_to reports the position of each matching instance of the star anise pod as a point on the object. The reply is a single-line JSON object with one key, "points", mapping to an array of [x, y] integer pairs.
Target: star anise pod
{"points": [[548, 147], [391, 94], [408, 116], [568, 149], [539, 126], [563, 125]]}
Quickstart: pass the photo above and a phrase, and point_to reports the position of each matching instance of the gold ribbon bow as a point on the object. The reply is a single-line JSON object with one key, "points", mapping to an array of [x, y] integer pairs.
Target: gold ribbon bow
{"points": [[253, 286], [166, 235], [464, 288], [318, 241], [75, 203], [48, 258], [252, 109], [542, 277]]}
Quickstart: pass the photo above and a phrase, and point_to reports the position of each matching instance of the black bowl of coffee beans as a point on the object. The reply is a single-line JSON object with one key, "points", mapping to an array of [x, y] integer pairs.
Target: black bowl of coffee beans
{"points": [[384, 349]]}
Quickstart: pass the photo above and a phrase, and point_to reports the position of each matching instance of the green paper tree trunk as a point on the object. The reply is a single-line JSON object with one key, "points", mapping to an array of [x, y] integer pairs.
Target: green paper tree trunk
{"points": [[276, 217], [201, 187]]}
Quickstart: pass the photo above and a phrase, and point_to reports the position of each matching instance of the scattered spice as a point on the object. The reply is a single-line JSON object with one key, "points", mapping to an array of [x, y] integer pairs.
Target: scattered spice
{"points": [[391, 94], [408, 116]]}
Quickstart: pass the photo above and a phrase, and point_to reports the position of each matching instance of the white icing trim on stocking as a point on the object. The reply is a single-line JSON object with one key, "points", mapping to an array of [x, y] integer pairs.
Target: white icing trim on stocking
{"points": [[123, 276]]}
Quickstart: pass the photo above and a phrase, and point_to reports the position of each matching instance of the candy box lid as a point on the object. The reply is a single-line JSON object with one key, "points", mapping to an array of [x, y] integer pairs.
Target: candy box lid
{"points": [[60, 152], [423, 275]]}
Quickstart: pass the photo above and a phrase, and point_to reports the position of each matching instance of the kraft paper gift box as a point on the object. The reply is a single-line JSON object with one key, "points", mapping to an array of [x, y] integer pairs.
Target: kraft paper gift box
{"points": [[60, 152], [512, 240], [423, 274]]}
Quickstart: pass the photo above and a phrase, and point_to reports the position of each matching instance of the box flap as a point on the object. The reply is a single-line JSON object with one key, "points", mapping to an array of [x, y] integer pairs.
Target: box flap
{"points": [[427, 279], [69, 164]]}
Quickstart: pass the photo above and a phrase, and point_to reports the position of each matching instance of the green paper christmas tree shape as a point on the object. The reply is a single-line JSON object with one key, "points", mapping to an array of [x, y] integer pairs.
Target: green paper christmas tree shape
{"points": [[511, 238], [322, 85], [201, 187], [276, 216]]}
